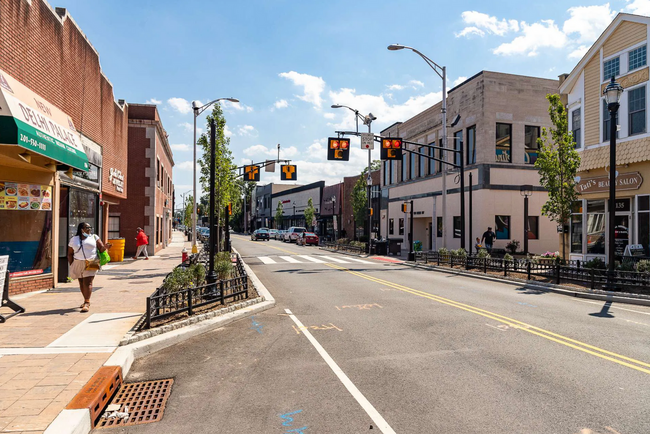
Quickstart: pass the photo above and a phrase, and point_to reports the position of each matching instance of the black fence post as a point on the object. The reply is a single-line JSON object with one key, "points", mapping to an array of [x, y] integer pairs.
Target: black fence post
{"points": [[190, 310], [593, 280], [438, 258], [451, 261], [221, 290], [528, 266], [148, 312], [484, 265], [557, 273], [505, 267]]}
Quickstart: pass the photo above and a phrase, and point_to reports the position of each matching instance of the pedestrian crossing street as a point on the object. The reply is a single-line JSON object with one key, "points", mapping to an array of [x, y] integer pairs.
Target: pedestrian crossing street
{"points": [[309, 259]]}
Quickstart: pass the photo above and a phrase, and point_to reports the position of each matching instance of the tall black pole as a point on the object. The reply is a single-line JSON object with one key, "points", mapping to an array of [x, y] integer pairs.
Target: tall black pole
{"points": [[526, 225], [411, 237], [227, 225], [471, 240], [613, 108], [212, 276], [462, 197]]}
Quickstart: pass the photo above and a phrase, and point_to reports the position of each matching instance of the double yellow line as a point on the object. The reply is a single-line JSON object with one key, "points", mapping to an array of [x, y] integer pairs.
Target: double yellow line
{"points": [[510, 322]]}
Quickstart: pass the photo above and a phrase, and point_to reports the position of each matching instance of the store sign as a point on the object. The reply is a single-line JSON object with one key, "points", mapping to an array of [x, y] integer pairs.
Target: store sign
{"points": [[25, 197], [600, 184], [116, 178]]}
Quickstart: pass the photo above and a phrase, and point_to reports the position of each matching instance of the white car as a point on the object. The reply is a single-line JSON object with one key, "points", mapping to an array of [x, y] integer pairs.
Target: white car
{"points": [[291, 235]]}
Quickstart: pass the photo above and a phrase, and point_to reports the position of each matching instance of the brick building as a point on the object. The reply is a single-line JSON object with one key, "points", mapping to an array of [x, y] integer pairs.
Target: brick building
{"points": [[151, 189], [74, 168], [347, 223]]}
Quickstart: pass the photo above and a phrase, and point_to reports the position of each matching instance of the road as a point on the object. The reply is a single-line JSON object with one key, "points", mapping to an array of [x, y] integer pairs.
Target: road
{"points": [[356, 347]]}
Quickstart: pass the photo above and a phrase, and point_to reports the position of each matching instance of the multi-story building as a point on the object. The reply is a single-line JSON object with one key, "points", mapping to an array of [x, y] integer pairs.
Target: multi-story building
{"points": [[502, 116], [294, 202], [620, 52], [349, 228], [151, 188], [261, 209]]}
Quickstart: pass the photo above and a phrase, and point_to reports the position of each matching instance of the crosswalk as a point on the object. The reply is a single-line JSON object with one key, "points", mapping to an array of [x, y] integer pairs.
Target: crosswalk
{"points": [[308, 259]]}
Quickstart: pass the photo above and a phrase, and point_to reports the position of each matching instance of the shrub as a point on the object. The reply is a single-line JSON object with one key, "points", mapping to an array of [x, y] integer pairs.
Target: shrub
{"points": [[643, 266], [460, 253], [443, 251], [508, 257], [512, 246], [223, 265], [180, 278], [343, 241], [197, 272], [625, 266], [596, 264], [483, 253]]}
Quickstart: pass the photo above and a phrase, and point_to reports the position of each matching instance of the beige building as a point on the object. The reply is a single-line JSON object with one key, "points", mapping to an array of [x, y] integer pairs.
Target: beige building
{"points": [[502, 115], [621, 51]]}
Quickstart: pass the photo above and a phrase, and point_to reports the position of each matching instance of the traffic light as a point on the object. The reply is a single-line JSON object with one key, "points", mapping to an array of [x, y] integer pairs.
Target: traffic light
{"points": [[251, 173], [403, 207], [370, 211], [338, 149], [391, 148], [229, 208], [288, 172]]}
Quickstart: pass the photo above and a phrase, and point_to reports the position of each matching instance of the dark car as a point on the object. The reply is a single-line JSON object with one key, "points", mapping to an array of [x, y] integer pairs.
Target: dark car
{"points": [[260, 234], [307, 238]]}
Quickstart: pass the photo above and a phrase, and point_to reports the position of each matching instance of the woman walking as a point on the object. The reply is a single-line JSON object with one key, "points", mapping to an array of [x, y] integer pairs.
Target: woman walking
{"points": [[83, 260]]}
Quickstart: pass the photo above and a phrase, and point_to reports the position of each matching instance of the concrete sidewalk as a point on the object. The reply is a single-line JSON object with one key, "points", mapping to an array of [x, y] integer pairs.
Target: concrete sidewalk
{"points": [[48, 353]]}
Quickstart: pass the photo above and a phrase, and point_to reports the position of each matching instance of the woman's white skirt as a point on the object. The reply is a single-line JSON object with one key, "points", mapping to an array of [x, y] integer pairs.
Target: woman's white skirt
{"points": [[77, 270]]}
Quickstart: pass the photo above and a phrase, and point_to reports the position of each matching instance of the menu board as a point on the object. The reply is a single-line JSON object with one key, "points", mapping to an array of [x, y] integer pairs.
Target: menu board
{"points": [[16, 196]]}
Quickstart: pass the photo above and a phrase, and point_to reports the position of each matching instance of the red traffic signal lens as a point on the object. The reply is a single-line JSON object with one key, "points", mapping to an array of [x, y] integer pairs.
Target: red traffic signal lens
{"points": [[397, 144], [345, 144], [334, 144]]}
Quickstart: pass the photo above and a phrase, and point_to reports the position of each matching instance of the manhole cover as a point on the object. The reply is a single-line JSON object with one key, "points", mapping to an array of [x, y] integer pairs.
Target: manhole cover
{"points": [[145, 401]]}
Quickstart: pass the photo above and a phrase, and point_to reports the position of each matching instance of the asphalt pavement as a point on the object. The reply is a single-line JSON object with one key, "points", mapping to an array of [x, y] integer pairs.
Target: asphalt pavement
{"points": [[373, 346]]}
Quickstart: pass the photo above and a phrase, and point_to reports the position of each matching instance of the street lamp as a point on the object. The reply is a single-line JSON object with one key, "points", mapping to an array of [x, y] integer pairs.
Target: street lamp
{"points": [[612, 93], [198, 109], [442, 73], [526, 191], [367, 120]]}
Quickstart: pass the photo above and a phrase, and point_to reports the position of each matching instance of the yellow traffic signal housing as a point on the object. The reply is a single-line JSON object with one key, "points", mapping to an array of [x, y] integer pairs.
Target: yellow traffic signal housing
{"points": [[229, 208], [251, 173], [391, 148], [370, 211], [403, 207], [338, 149], [288, 172]]}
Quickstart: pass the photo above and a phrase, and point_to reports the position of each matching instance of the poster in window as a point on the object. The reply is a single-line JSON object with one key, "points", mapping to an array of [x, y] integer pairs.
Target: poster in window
{"points": [[25, 197], [502, 223]]}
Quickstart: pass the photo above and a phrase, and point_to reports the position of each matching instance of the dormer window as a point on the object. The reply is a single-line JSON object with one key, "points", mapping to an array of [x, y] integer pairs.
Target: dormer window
{"points": [[637, 58], [611, 68]]}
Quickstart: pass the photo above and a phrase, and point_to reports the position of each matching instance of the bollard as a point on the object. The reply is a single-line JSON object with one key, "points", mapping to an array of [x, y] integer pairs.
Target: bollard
{"points": [[528, 266]]}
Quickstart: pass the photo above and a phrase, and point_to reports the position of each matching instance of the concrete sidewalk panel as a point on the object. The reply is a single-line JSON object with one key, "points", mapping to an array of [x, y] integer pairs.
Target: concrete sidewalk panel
{"points": [[98, 330], [70, 422]]}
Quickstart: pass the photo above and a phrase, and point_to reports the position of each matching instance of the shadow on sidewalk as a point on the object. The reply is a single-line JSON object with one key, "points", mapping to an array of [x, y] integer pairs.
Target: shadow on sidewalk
{"points": [[51, 312]]}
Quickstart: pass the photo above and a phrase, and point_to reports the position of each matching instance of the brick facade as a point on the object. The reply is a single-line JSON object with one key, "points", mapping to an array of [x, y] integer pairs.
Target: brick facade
{"points": [[347, 213]]}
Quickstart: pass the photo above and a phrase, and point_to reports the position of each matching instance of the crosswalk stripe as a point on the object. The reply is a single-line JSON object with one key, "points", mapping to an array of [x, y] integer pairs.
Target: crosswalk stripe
{"points": [[290, 259], [360, 260], [266, 260], [309, 258], [330, 258]]}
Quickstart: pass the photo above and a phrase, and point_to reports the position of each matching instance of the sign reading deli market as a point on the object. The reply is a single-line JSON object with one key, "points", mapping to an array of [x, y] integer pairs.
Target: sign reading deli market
{"points": [[600, 184], [29, 121]]}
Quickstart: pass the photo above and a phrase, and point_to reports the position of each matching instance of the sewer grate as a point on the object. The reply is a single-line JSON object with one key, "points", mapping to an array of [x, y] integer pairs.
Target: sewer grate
{"points": [[145, 401]]}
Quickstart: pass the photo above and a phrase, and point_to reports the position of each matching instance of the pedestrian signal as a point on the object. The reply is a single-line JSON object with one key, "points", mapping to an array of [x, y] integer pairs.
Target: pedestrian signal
{"points": [[391, 148], [251, 173], [338, 149], [403, 207], [289, 172]]}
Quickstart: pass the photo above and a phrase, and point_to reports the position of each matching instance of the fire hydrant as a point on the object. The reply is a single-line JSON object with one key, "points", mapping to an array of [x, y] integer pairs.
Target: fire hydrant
{"points": [[184, 252]]}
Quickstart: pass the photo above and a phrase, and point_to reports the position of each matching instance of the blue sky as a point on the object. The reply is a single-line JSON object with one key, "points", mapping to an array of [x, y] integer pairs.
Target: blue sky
{"points": [[289, 61]]}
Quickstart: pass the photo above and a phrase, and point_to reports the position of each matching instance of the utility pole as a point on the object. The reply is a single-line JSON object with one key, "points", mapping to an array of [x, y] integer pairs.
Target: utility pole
{"points": [[212, 276]]}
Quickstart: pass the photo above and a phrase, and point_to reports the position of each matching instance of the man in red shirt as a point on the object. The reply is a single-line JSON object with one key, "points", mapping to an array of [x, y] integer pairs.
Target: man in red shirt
{"points": [[141, 241]]}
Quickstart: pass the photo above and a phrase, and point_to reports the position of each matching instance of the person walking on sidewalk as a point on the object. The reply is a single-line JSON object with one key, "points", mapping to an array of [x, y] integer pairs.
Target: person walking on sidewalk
{"points": [[489, 237], [141, 241], [83, 260]]}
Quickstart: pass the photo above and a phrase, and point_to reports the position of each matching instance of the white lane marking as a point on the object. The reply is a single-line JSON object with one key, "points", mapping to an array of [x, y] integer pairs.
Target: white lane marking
{"points": [[613, 307], [309, 258], [360, 260], [356, 393], [266, 260], [333, 259], [290, 259]]}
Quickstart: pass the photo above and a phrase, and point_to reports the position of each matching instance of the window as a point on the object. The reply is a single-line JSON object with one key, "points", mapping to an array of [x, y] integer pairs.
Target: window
{"points": [[636, 110], [113, 227], [458, 145], [471, 145], [414, 165], [644, 223], [423, 162], [404, 166], [530, 143], [391, 226], [457, 226], [503, 143], [596, 227], [401, 226], [533, 228], [441, 156], [576, 227], [637, 58], [575, 128], [393, 170], [439, 227], [606, 121], [502, 226], [158, 172], [432, 163], [27, 239], [610, 68]]}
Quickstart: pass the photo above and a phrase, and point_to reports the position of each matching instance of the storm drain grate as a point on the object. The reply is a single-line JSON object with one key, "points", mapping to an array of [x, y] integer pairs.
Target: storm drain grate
{"points": [[145, 401]]}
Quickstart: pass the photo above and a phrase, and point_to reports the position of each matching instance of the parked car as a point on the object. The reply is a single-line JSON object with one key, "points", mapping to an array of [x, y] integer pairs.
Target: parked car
{"points": [[273, 233], [280, 234], [260, 234], [292, 234], [203, 234], [307, 238]]}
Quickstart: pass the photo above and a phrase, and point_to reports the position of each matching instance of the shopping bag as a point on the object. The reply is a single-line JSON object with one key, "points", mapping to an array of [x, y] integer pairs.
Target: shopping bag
{"points": [[104, 258]]}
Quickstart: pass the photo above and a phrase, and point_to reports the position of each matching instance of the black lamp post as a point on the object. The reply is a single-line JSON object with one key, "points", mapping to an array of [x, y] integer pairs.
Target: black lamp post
{"points": [[211, 277], [612, 94], [526, 191]]}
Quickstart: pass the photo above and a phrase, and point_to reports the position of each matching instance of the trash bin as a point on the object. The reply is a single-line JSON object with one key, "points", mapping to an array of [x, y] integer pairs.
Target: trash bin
{"points": [[395, 246], [116, 252], [381, 247]]}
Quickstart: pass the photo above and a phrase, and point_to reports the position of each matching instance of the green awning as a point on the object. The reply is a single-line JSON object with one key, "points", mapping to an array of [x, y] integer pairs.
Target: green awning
{"points": [[29, 121]]}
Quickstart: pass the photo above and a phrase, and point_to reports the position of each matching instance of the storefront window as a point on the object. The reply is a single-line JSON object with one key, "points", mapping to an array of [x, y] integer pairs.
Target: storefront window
{"points": [[502, 224], [576, 227], [644, 223], [596, 227], [533, 227], [83, 208]]}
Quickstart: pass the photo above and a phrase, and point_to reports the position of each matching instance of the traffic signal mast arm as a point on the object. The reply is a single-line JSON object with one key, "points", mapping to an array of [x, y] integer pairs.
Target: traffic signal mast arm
{"points": [[260, 165]]}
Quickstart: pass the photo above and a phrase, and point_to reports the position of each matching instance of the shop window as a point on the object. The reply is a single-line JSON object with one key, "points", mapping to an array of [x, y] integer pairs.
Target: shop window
{"points": [[432, 162], [596, 227], [504, 143], [530, 143], [423, 162], [575, 128], [391, 226], [401, 226], [413, 165], [636, 110], [458, 145], [637, 58], [471, 145], [439, 227], [643, 207], [533, 228], [91, 175], [611, 68], [113, 227], [457, 226], [502, 227], [404, 166]]}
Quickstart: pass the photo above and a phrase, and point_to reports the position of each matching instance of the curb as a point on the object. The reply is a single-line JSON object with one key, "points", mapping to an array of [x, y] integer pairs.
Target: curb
{"points": [[78, 421]]}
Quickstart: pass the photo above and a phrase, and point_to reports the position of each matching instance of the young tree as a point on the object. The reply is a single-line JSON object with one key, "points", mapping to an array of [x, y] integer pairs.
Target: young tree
{"points": [[360, 196], [187, 212], [309, 213], [558, 163], [279, 212]]}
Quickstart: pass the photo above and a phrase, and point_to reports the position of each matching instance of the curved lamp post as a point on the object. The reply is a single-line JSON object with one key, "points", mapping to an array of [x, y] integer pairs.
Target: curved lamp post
{"points": [[612, 93], [198, 109]]}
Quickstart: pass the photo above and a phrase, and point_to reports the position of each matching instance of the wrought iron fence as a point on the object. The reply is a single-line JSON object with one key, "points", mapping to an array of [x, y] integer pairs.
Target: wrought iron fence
{"points": [[344, 248]]}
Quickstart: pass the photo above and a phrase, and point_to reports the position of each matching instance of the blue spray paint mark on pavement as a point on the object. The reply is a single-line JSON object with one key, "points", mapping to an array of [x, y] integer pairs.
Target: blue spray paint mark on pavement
{"points": [[526, 304], [288, 420], [256, 326]]}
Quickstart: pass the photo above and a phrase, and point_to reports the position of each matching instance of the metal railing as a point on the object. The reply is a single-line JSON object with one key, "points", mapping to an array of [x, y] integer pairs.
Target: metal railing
{"points": [[344, 248]]}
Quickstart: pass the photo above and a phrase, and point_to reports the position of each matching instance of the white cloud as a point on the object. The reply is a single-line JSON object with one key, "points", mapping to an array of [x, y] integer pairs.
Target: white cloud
{"points": [[535, 36], [153, 101], [186, 165], [414, 84], [395, 87], [181, 105], [229, 106], [588, 22], [180, 147], [458, 81], [190, 128], [417, 83], [329, 115], [578, 52], [638, 7], [312, 86], [281, 104], [480, 23], [247, 130], [261, 151], [227, 132]]}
